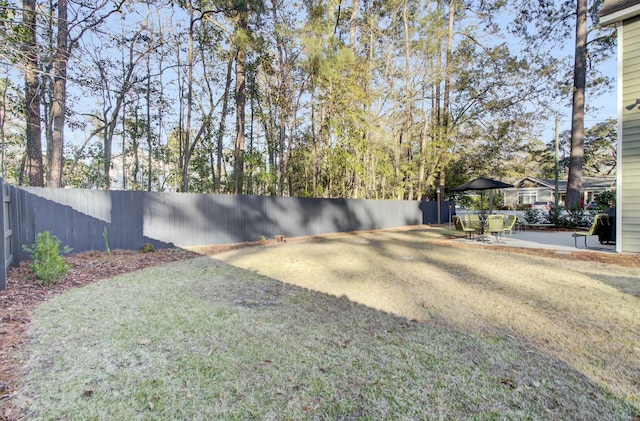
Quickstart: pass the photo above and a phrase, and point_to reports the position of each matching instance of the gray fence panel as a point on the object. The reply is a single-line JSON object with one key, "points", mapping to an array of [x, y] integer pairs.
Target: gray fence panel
{"points": [[86, 208], [76, 217], [126, 221], [79, 217], [26, 222]]}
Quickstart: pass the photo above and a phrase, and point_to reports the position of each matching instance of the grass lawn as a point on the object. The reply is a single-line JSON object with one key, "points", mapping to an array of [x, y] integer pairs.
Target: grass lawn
{"points": [[374, 326]]}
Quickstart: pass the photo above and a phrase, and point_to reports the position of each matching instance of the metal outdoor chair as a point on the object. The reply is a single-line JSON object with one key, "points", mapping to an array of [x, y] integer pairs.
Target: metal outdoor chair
{"points": [[494, 225], [461, 226], [473, 221], [521, 223], [510, 223], [600, 223]]}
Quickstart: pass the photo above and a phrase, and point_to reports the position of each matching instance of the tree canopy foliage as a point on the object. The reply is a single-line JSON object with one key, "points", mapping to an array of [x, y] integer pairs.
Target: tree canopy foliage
{"points": [[317, 98]]}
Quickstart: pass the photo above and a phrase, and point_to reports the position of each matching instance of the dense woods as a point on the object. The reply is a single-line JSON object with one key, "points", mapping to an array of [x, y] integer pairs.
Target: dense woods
{"points": [[355, 98]]}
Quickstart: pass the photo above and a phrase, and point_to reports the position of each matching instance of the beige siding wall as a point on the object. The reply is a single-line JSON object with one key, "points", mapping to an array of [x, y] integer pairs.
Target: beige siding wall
{"points": [[630, 183]]}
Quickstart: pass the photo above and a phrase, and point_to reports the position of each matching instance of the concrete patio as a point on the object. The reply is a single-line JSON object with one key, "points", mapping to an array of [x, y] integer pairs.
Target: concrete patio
{"points": [[549, 240]]}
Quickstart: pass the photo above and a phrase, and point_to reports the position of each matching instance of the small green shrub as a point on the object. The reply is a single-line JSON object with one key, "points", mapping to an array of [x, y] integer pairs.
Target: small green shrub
{"points": [[534, 216], [48, 265], [147, 248], [555, 215], [577, 217], [465, 202], [606, 199]]}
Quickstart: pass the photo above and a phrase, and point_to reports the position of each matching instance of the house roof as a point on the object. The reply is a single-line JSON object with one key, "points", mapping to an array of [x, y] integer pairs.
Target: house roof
{"points": [[534, 182], [588, 183], [614, 11]]}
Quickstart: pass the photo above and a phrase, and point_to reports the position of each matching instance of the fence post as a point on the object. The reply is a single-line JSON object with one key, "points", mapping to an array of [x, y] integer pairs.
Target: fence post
{"points": [[5, 228]]}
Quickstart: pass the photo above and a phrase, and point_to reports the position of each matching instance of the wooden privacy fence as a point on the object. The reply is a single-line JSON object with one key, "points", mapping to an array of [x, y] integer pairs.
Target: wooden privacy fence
{"points": [[82, 219]]}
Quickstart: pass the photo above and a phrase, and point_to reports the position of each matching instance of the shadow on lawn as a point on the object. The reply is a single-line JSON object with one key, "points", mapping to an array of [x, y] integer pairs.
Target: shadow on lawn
{"points": [[516, 367], [426, 272], [626, 285], [287, 345]]}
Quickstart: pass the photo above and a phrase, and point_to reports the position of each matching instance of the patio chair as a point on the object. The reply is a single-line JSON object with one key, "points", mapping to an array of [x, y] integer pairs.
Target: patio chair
{"points": [[473, 221], [521, 223], [461, 226], [494, 225], [510, 223], [600, 223]]}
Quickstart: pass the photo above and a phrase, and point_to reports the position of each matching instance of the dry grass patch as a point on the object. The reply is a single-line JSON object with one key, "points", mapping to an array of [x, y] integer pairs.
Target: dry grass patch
{"points": [[587, 314], [375, 326]]}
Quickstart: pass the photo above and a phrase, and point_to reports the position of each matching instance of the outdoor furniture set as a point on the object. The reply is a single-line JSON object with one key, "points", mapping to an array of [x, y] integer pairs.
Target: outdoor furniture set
{"points": [[478, 228], [492, 225]]}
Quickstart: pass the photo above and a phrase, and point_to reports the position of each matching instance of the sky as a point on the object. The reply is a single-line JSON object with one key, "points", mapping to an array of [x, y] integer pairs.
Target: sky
{"points": [[601, 108], [604, 106]]}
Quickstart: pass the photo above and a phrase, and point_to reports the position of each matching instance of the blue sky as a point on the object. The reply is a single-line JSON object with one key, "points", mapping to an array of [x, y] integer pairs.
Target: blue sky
{"points": [[600, 108]]}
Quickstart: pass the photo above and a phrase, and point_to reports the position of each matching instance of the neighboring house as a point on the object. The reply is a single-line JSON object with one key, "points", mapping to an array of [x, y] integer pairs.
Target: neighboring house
{"points": [[530, 189], [625, 14]]}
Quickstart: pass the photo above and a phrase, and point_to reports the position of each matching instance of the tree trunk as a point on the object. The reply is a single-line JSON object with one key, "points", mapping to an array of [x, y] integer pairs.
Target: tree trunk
{"points": [[576, 156], [56, 148], [423, 157], [408, 181], [448, 68], [148, 116], [241, 96], [136, 158], [187, 130], [444, 130], [284, 95], [109, 129], [123, 121], [180, 134], [33, 163], [111, 120], [314, 139], [3, 138], [353, 25], [221, 127]]}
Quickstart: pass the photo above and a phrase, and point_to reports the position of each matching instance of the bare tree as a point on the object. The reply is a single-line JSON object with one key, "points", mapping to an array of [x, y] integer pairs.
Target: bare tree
{"points": [[65, 43], [241, 97], [55, 149], [34, 166], [222, 123]]}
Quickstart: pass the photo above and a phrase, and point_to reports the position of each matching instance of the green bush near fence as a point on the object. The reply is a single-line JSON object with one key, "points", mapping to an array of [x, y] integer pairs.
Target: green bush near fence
{"points": [[564, 218], [606, 199], [48, 264], [577, 217], [555, 215], [535, 216]]}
